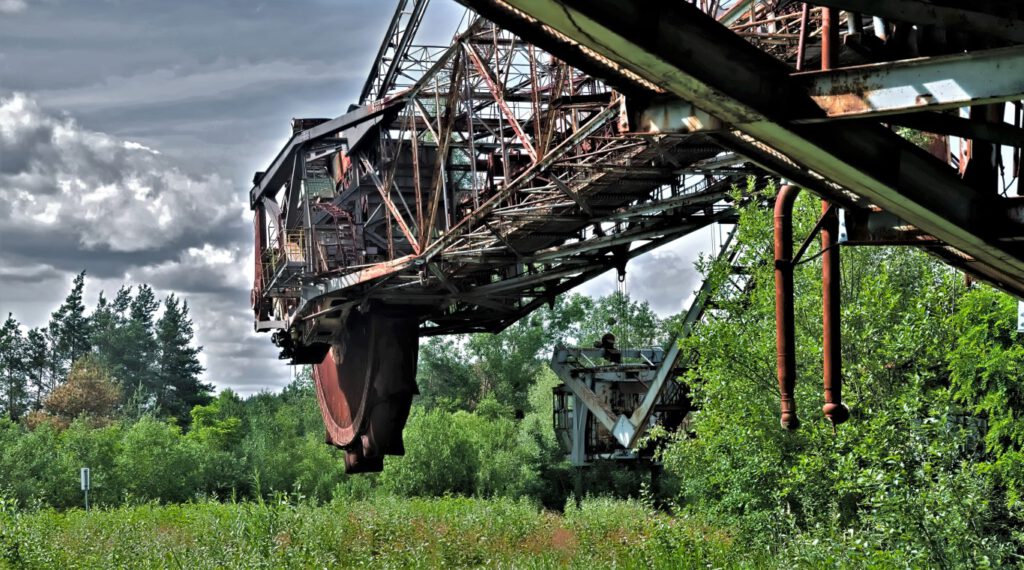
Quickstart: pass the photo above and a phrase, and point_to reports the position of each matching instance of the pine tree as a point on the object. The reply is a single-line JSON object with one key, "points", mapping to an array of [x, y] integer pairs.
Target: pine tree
{"points": [[36, 359], [12, 369], [140, 349], [179, 387], [108, 323], [69, 329]]}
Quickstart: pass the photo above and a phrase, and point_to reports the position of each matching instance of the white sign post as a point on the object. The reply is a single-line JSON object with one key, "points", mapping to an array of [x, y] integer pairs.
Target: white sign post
{"points": [[85, 486], [1020, 316]]}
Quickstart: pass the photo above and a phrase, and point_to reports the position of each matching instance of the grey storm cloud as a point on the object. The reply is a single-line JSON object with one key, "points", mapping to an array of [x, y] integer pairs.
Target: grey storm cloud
{"points": [[109, 194], [80, 199], [12, 6]]}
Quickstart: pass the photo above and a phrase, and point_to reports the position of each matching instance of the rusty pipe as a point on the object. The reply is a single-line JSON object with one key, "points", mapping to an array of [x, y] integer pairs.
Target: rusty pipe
{"points": [[832, 375], [834, 409], [801, 45], [785, 332], [829, 37]]}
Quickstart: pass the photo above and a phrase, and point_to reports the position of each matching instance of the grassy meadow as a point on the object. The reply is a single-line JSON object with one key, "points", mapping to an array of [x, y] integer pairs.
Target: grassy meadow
{"points": [[379, 533]]}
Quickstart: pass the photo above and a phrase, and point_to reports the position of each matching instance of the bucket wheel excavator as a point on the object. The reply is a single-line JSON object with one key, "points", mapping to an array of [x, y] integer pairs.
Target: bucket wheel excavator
{"points": [[469, 185]]}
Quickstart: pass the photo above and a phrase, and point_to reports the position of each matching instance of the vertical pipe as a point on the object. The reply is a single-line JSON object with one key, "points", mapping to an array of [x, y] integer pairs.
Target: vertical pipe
{"points": [[829, 37], [832, 378], [805, 12], [834, 409], [785, 332]]}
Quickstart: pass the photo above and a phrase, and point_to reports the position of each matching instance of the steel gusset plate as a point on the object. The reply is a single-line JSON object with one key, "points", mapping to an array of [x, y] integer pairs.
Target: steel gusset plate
{"points": [[365, 387]]}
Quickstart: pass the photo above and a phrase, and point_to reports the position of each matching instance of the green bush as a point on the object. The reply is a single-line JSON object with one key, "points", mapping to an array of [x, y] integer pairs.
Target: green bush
{"points": [[440, 458], [157, 463]]}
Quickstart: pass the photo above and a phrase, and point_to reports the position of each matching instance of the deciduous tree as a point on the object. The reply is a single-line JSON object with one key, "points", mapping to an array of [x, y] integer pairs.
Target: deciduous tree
{"points": [[88, 392]]}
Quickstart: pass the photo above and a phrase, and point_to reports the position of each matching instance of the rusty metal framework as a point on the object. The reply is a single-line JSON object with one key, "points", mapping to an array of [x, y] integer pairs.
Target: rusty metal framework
{"points": [[944, 69], [553, 140], [487, 179], [472, 184]]}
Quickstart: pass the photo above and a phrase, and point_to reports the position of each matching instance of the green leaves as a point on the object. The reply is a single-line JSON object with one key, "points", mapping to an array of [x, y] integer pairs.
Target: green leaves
{"points": [[899, 484]]}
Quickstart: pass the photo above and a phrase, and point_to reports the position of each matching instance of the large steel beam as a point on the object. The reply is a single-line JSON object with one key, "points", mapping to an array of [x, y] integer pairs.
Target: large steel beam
{"points": [[686, 52], [866, 91], [921, 84], [967, 18]]}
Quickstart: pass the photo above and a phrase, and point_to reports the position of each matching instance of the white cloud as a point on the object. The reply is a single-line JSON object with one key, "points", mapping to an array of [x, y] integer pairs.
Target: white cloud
{"points": [[112, 194], [12, 6], [132, 145], [73, 199]]}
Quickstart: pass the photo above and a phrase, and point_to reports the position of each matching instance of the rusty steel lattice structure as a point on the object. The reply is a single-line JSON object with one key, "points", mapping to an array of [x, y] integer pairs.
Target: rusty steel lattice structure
{"points": [[557, 139], [475, 183], [812, 91]]}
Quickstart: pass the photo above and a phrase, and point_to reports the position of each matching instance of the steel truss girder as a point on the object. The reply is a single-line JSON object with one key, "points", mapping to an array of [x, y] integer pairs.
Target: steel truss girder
{"points": [[393, 50], [684, 51], [450, 143], [921, 84]]}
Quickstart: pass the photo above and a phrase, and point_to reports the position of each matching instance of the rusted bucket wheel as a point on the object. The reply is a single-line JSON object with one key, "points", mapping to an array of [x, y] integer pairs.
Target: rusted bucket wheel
{"points": [[365, 386]]}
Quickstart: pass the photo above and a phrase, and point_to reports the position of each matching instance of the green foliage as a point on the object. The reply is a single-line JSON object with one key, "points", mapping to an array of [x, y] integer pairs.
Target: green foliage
{"points": [[217, 424], [635, 324], [439, 459], [897, 486], [28, 463], [69, 329], [13, 382], [929, 471], [986, 368], [156, 462], [176, 380], [463, 371], [153, 360], [284, 446], [444, 376]]}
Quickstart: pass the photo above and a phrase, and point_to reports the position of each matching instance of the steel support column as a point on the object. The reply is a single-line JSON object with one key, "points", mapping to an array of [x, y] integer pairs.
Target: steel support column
{"points": [[831, 339]]}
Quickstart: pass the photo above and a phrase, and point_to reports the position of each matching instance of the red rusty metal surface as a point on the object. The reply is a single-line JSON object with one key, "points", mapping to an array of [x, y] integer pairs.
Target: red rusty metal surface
{"points": [[785, 342], [834, 409], [365, 387], [832, 378]]}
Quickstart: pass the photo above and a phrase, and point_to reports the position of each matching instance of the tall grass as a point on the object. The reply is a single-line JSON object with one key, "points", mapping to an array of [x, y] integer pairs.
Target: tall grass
{"points": [[379, 533]]}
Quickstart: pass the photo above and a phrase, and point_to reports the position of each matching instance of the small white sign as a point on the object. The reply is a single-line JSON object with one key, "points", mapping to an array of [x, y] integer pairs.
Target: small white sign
{"points": [[1020, 316], [85, 478], [624, 431]]}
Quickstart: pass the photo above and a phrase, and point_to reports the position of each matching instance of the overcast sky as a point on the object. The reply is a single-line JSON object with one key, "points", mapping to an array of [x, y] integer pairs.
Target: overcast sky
{"points": [[129, 132]]}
